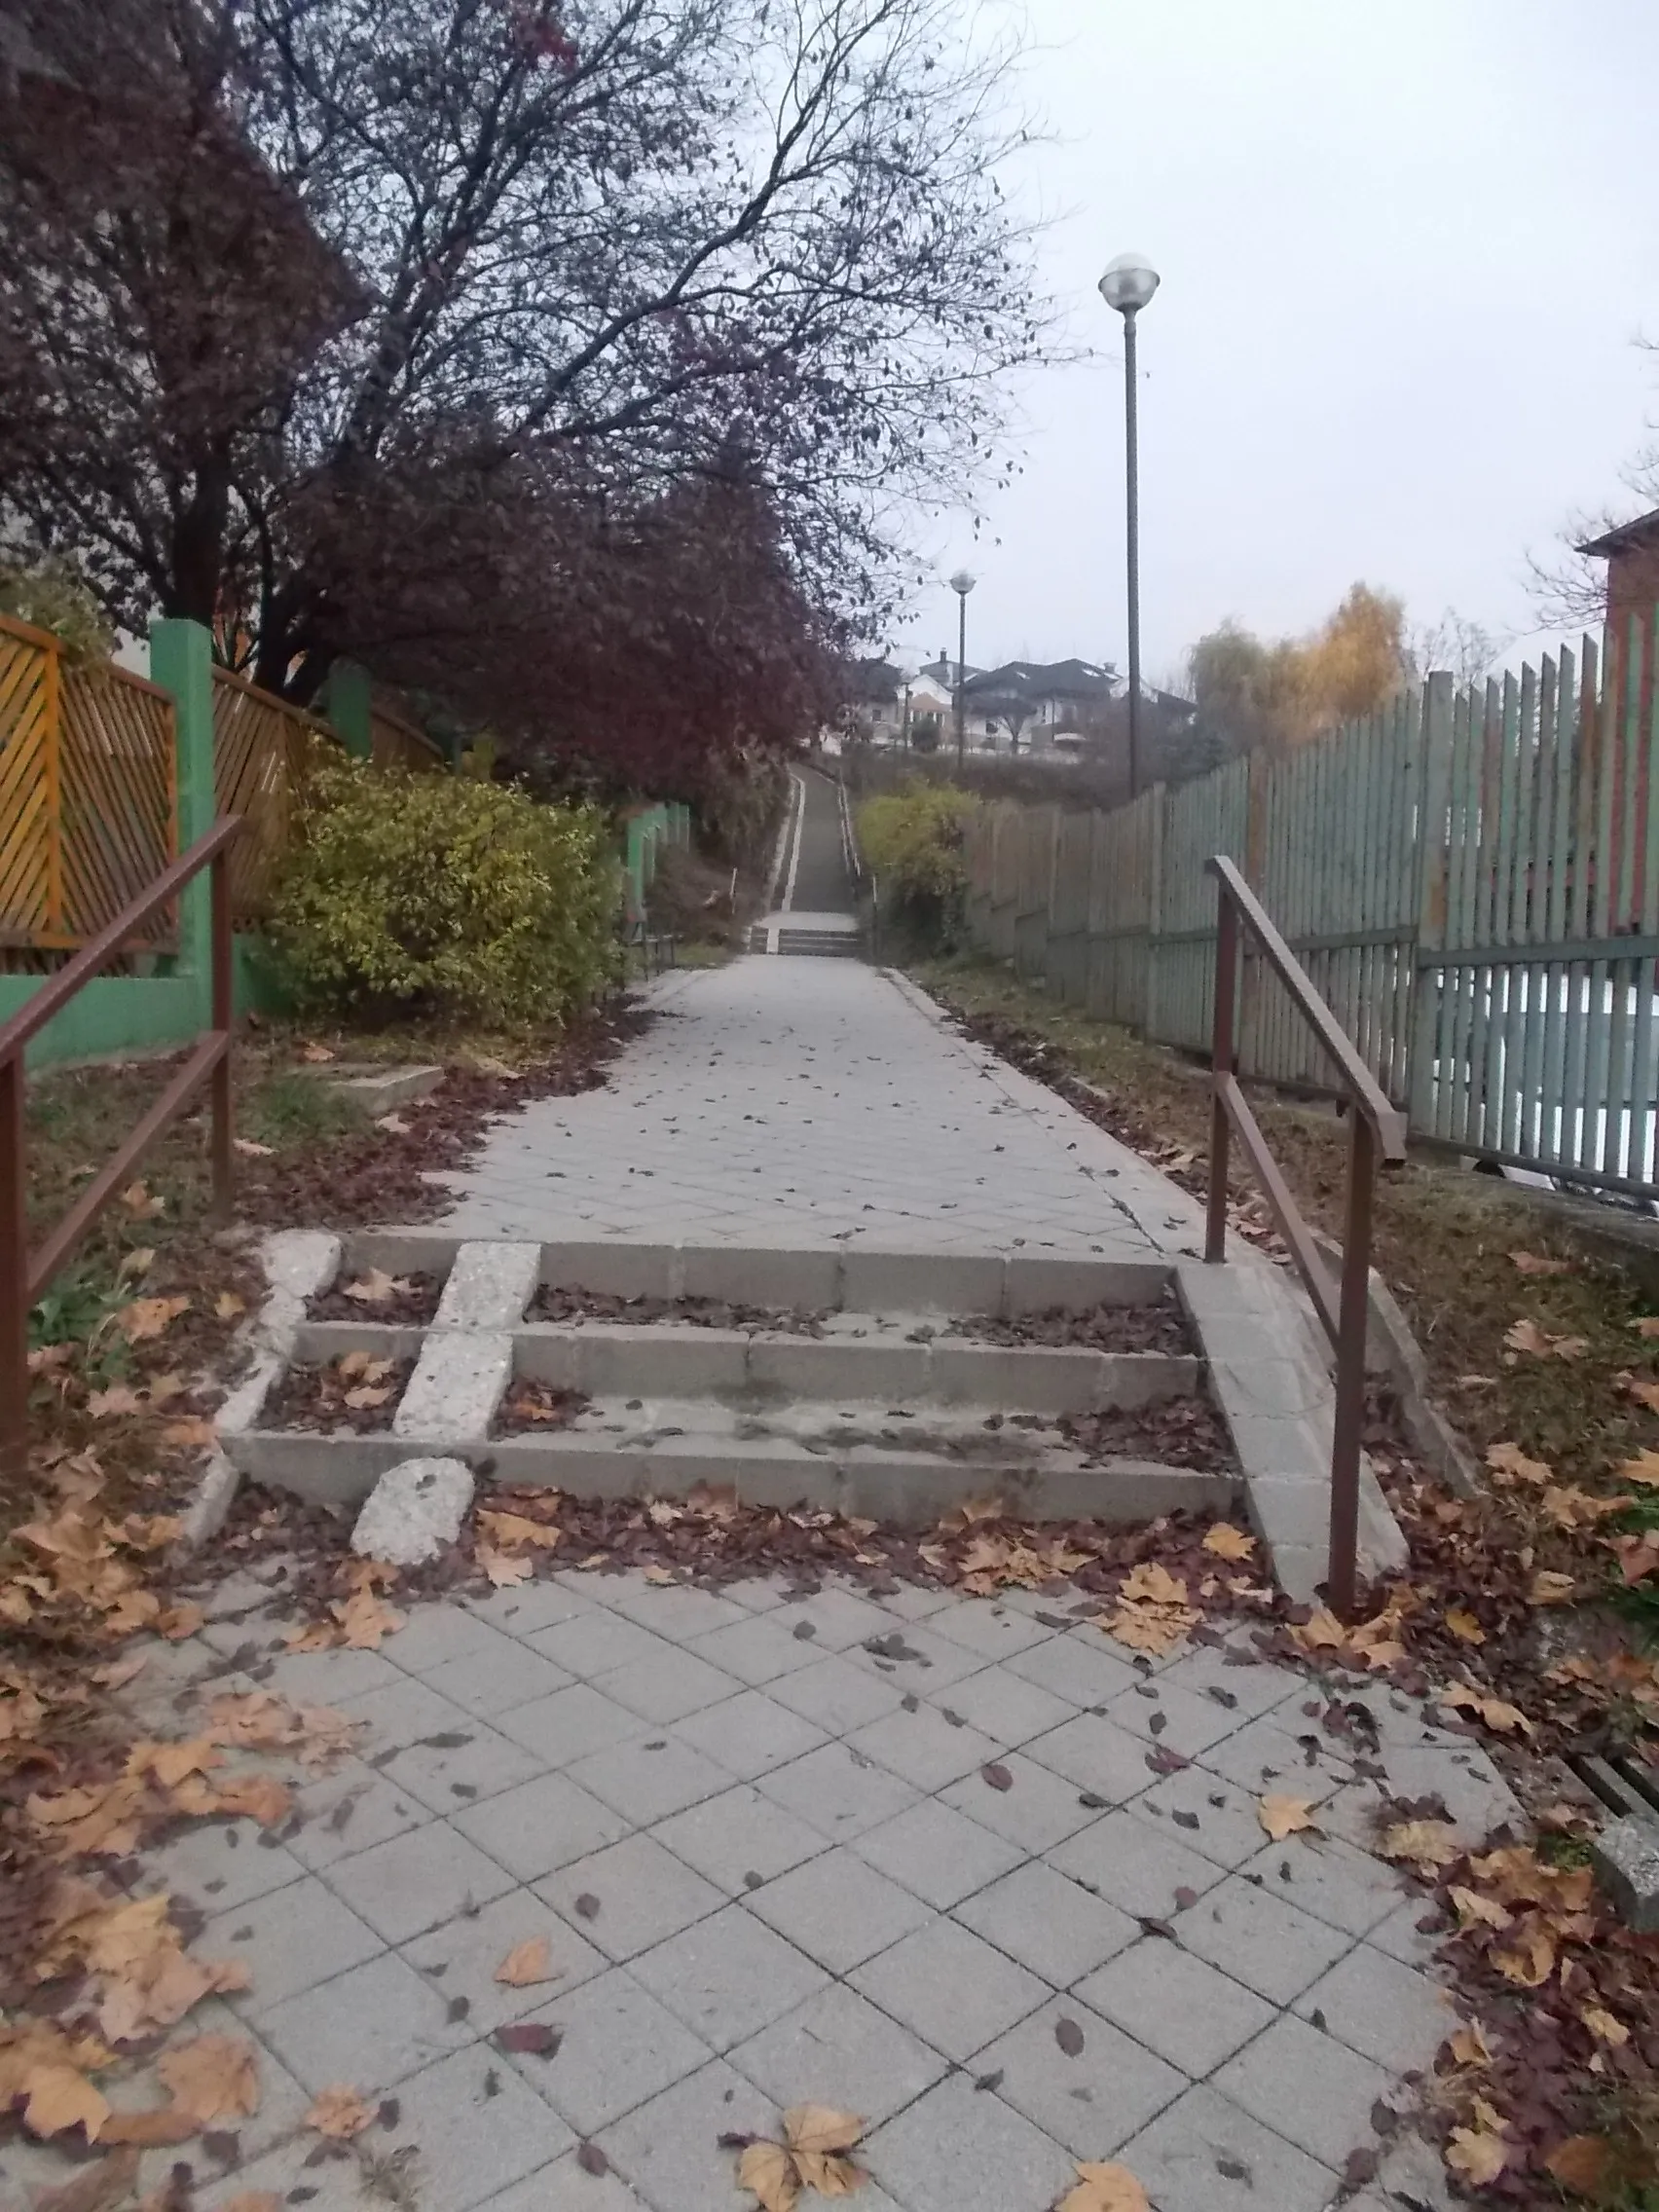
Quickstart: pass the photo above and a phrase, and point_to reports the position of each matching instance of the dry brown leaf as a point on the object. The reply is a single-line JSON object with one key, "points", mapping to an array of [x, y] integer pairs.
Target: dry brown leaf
{"points": [[1228, 1542], [151, 2130], [119, 1398], [769, 2172], [821, 2127], [1509, 1459], [339, 2112], [1472, 1908], [1104, 2187], [146, 1317], [228, 1306], [1548, 1588], [1643, 1392], [316, 1054], [1529, 1960], [253, 2200], [1464, 1626], [101, 2188], [509, 1530], [60, 2097], [366, 1619], [504, 1570], [526, 1963], [1504, 1719], [215, 2077], [1284, 1815], [367, 1395], [142, 1203], [375, 1286], [1428, 1845], [1646, 1325], [1580, 2164], [1532, 1263], [1642, 1470], [180, 1620], [1469, 2045], [1321, 1631], [1604, 2027], [1475, 2156]]}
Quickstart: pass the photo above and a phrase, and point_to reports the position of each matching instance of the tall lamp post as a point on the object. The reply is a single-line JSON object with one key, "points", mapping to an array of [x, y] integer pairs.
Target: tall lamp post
{"points": [[961, 583], [907, 677], [1129, 286]]}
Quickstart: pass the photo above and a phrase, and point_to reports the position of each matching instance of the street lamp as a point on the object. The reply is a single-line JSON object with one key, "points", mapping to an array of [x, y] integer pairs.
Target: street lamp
{"points": [[907, 677], [1128, 286], [961, 583]]}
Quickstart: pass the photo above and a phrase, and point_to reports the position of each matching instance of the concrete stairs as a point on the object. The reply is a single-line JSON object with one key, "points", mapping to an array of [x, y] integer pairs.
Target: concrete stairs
{"points": [[803, 938]]}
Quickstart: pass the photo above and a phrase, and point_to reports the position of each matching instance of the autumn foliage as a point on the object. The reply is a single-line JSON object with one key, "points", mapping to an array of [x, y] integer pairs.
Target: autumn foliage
{"points": [[1283, 692]]}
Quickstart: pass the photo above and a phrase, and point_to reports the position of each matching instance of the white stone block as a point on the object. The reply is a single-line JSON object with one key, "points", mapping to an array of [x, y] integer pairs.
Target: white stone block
{"points": [[414, 1512]]}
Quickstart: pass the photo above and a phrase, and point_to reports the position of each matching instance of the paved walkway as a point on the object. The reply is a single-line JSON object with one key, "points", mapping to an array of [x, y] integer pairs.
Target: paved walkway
{"points": [[798, 1101]]}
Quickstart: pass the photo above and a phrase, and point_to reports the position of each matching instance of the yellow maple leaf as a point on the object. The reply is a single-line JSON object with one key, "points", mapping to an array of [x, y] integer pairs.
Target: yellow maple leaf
{"points": [[1228, 1542], [339, 2112], [769, 2172], [1464, 1626], [1105, 2187], [1284, 1815], [526, 1963], [1475, 2156]]}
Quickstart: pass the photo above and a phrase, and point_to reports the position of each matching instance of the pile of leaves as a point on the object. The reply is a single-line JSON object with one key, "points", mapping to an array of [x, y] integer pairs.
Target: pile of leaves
{"points": [[358, 1390]]}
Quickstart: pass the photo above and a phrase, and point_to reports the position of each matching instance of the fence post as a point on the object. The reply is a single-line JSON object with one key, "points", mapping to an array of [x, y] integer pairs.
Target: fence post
{"points": [[1428, 983], [181, 662], [349, 704], [1155, 904]]}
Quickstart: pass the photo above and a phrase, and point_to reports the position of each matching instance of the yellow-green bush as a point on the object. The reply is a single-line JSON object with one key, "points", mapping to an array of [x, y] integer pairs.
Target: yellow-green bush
{"points": [[413, 895], [912, 840]]}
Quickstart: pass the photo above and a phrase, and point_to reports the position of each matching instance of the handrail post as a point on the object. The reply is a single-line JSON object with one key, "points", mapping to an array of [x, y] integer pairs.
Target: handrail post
{"points": [[224, 1018], [14, 1283], [1349, 1419], [1220, 1064]]}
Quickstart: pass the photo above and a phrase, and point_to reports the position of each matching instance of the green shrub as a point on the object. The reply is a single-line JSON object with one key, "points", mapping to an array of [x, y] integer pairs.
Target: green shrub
{"points": [[429, 895], [54, 596], [912, 841]]}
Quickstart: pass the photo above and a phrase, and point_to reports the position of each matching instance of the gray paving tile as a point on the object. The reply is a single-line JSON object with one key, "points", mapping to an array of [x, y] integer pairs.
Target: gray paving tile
{"points": [[529, 1606], [1248, 1690], [987, 1626], [566, 2186], [291, 1940], [679, 1614], [327, 1677], [737, 1834], [1090, 2101], [951, 1988], [1200, 1811], [1380, 2009], [649, 1777], [1096, 1754], [571, 1724], [1180, 1720], [618, 2048], [670, 2148], [837, 1792], [1081, 1667], [837, 1696], [837, 1910], [459, 1959], [220, 1864], [596, 1642], [727, 1976], [373, 2027], [1133, 1867], [837, 2049], [1260, 1939], [494, 1680], [938, 1853], [540, 1826], [1003, 1705], [839, 1617], [1038, 1810], [349, 1810], [1403, 1935], [458, 1766], [1205, 2155], [400, 1713], [643, 1895], [667, 1685], [1047, 1922], [961, 2150], [756, 1650], [416, 1881], [1283, 1752], [472, 2129], [749, 1734], [922, 1747], [433, 1635], [937, 1660], [1184, 2009], [1330, 1879], [1307, 2088]]}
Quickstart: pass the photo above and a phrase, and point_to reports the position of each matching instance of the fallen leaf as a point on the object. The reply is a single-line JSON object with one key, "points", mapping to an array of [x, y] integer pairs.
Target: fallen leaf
{"points": [[1475, 2156], [1642, 1470], [1464, 1626], [769, 2172], [526, 1963], [511, 1530], [215, 2077], [251, 1150], [120, 1398], [1284, 1815], [1531, 1961], [1469, 2045], [366, 1396], [534, 2037], [1105, 2188], [592, 2159], [504, 1570], [339, 2113], [180, 1621], [142, 1203], [1532, 1264], [1504, 1719], [997, 1776], [1069, 2036], [1548, 1588], [1428, 1845], [146, 1317], [316, 1054], [366, 1619], [150, 2130], [1644, 1394], [1604, 2027], [103, 2188], [228, 1306], [1509, 1459], [375, 1286], [1646, 1325], [1473, 1907], [393, 1125], [194, 1433], [60, 2097], [1525, 1336], [253, 2200], [1228, 1542], [1580, 2164]]}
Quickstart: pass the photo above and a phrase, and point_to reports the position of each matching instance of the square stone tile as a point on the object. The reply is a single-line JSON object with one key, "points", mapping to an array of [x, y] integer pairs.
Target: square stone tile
{"points": [[749, 1734], [1205, 2155], [220, 1864], [1253, 1934], [459, 1959], [566, 2186], [1281, 1751], [399, 1713], [1410, 1933], [837, 1792], [1244, 1689], [679, 1612], [727, 1976], [1380, 2009], [618, 2048], [1330, 1879], [938, 1853], [1133, 1867], [491, 1681], [291, 1940], [1201, 1811], [1092, 2102], [571, 1724], [473, 2127], [1081, 1667], [931, 1660], [650, 1776], [838, 1909], [372, 2027], [668, 1684], [1308, 2087], [434, 1633], [348, 1810], [923, 1747], [739, 1833], [839, 1617], [1180, 1720], [459, 1766], [1037, 1812], [1048, 1924], [1179, 2006], [323, 1678], [1004, 1705], [756, 1650], [540, 1826], [417, 1881], [529, 1606], [758, 1593], [670, 2148], [952, 1989], [837, 2049], [986, 1626], [836, 1696], [645, 1894], [960, 2150], [596, 1642], [1097, 1756], [915, 1601]]}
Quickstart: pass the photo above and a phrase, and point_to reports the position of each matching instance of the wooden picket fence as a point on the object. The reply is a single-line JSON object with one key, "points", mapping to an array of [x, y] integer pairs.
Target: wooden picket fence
{"points": [[1471, 878]]}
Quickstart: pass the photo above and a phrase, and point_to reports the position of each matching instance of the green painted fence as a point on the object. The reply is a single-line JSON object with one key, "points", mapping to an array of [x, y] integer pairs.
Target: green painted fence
{"points": [[1471, 877]]}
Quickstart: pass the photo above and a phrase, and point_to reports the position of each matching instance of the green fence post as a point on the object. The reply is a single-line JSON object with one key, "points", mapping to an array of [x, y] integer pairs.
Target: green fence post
{"points": [[1424, 1084], [181, 662], [348, 702]]}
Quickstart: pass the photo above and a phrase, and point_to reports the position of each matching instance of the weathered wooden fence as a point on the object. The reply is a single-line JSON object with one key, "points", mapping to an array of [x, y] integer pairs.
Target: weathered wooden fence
{"points": [[1471, 878]]}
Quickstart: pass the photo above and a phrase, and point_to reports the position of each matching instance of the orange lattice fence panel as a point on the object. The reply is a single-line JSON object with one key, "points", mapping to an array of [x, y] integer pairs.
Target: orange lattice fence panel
{"points": [[119, 810], [31, 902], [394, 743], [261, 747]]}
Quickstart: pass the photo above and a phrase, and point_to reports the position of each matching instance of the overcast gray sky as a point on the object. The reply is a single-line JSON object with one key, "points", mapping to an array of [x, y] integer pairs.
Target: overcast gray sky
{"points": [[1406, 250]]}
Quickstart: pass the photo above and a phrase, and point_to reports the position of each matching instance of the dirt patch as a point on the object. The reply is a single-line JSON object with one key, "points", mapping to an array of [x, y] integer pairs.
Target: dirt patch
{"points": [[1179, 1432], [355, 1391], [535, 1408], [402, 1301], [556, 1302], [1161, 1327]]}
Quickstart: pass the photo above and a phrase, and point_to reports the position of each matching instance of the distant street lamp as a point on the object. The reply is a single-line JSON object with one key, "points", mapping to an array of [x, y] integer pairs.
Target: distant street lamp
{"points": [[1128, 286], [961, 583]]}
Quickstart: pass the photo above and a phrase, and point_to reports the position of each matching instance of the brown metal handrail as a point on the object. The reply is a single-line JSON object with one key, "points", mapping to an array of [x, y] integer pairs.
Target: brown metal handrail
{"points": [[24, 1276], [1376, 1132]]}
